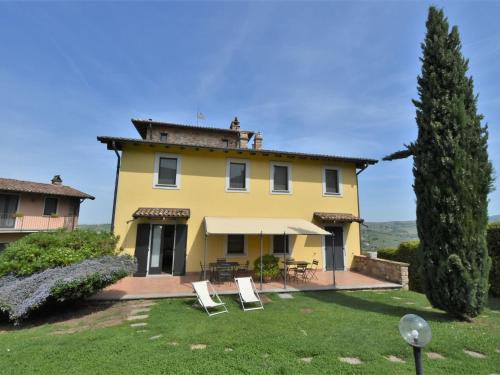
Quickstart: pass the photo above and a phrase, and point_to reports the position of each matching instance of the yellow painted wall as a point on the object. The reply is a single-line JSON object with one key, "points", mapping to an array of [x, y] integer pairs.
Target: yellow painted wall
{"points": [[202, 189]]}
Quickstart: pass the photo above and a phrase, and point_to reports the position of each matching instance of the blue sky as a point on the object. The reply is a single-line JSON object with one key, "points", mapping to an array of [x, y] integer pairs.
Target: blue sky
{"points": [[326, 77]]}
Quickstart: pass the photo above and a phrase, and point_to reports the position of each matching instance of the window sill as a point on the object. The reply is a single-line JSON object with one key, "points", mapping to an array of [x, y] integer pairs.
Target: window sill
{"points": [[332, 195], [166, 187], [234, 190], [281, 192]]}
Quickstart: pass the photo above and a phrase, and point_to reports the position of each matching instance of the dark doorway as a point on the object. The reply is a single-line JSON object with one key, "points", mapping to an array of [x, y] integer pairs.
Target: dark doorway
{"points": [[161, 257], [334, 249]]}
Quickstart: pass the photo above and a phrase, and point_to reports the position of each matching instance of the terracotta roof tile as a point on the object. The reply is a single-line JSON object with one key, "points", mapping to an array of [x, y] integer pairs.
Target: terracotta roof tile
{"points": [[159, 213], [337, 217], [11, 185]]}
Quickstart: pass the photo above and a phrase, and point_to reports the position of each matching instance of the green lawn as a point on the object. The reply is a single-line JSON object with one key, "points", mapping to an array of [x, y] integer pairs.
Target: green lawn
{"points": [[322, 325]]}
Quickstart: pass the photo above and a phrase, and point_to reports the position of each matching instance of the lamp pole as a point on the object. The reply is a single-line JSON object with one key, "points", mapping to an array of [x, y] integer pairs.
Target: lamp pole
{"points": [[417, 354]]}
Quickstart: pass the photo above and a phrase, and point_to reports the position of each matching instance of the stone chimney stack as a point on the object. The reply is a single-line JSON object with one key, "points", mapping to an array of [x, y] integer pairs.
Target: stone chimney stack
{"points": [[243, 140], [257, 141], [235, 124], [56, 180]]}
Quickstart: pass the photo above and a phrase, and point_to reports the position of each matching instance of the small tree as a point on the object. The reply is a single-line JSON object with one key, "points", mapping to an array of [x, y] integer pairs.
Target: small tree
{"points": [[453, 176]]}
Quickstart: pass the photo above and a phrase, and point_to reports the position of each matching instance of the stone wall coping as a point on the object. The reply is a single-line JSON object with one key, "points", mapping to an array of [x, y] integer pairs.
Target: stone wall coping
{"points": [[384, 260]]}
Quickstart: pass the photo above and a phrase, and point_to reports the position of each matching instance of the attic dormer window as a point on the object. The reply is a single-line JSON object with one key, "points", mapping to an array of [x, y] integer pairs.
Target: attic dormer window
{"points": [[225, 143], [163, 137]]}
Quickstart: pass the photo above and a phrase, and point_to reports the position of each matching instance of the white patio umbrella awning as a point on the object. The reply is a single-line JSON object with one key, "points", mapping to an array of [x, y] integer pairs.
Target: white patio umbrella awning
{"points": [[261, 225]]}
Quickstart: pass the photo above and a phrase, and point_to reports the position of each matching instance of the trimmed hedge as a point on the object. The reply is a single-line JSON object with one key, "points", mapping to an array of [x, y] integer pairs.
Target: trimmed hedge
{"points": [[493, 237], [407, 252], [20, 296], [39, 251]]}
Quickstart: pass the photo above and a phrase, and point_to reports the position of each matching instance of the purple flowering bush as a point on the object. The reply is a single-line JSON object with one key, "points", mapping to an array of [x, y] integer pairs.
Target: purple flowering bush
{"points": [[19, 296]]}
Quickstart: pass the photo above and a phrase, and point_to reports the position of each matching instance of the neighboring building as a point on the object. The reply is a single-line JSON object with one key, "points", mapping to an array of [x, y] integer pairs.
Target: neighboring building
{"points": [[178, 182], [27, 207]]}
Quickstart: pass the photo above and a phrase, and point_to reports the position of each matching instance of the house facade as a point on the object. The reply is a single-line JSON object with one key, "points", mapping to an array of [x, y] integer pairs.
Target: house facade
{"points": [[27, 207], [175, 178]]}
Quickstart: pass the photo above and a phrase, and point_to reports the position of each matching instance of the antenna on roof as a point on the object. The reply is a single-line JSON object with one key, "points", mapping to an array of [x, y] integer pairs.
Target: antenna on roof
{"points": [[199, 115]]}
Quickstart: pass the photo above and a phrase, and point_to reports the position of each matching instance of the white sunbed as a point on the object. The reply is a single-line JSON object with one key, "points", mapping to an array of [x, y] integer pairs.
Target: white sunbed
{"points": [[248, 293], [205, 297]]}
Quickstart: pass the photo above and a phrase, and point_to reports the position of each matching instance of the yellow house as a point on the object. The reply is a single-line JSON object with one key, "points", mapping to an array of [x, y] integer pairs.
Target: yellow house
{"points": [[176, 182]]}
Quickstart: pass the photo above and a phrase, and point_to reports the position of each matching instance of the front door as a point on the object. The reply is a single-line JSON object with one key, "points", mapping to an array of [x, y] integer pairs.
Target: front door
{"points": [[161, 258], [334, 249]]}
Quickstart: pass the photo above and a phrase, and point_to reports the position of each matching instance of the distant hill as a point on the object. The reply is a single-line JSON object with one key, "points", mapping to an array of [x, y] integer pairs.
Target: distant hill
{"points": [[377, 235], [96, 227]]}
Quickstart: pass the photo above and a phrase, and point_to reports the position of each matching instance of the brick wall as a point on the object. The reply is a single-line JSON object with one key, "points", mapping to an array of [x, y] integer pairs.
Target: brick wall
{"points": [[389, 270], [196, 137]]}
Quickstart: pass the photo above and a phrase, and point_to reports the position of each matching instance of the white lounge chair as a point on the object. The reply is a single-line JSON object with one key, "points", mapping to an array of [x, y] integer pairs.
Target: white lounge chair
{"points": [[205, 297], [248, 293]]}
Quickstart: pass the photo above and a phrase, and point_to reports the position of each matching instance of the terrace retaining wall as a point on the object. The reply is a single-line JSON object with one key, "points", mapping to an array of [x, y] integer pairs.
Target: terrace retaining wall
{"points": [[396, 272]]}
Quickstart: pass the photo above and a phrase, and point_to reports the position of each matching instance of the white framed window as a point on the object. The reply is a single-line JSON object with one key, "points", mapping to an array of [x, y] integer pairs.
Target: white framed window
{"points": [[236, 245], [280, 244], [332, 181], [280, 178], [167, 171], [238, 175]]}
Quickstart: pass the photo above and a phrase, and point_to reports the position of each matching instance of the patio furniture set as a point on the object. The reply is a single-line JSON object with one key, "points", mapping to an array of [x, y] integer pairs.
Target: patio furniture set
{"points": [[223, 270]]}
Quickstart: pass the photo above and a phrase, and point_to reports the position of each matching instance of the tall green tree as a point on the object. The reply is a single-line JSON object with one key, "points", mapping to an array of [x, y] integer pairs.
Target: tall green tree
{"points": [[453, 175]]}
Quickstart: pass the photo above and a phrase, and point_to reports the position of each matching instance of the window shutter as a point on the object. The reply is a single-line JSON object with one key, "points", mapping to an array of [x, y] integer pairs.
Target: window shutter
{"points": [[179, 268], [142, 248]]}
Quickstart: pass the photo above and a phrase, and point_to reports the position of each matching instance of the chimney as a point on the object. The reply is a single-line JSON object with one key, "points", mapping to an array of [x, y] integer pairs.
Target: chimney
{"points": [[243, 140], [235, 124], [257, 141], [56, 180]]}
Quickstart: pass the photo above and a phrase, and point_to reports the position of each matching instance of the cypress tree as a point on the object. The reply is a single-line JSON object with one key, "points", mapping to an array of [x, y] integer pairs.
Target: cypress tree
{"points": [[453, 176]]}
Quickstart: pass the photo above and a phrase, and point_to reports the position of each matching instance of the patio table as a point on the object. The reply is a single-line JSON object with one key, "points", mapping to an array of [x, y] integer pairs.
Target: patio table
{"points": [[293, 263], [219, 269]]}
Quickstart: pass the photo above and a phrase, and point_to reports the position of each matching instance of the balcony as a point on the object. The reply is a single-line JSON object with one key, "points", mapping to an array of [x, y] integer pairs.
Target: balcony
{"points": [[15, 222]]}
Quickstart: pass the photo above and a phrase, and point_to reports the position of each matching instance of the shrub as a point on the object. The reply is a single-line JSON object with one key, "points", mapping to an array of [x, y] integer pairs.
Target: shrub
{"points": [[19, 296], [39, 251], [407, 252], [493, 238], [270, 266]]}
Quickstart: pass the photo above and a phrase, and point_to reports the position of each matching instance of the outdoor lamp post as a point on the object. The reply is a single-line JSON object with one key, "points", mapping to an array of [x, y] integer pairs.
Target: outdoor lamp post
{"points": [[417, 333]]}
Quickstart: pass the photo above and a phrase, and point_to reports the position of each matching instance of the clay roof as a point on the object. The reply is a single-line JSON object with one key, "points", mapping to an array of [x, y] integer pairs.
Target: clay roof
{"points": [[11, 185], [141, 125], [160, 213], [118, 142], [334, 217]]}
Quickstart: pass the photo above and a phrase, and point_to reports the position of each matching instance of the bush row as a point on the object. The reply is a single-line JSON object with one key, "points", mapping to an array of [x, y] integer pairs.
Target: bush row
{"points": [[20, 296], [39, 251]]}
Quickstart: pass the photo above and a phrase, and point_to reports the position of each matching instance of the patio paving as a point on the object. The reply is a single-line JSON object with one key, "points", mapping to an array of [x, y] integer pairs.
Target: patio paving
{"points": [[180, 286]]}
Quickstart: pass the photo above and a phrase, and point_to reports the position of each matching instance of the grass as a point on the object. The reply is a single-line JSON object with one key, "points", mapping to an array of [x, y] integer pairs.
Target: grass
{"points": [[320, 325]]}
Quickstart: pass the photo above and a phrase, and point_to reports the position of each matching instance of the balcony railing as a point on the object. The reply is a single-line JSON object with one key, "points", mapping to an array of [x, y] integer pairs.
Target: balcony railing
{"points": [[19, 222]]}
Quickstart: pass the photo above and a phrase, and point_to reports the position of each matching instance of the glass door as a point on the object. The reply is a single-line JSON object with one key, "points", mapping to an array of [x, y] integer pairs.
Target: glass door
{"points": [[156, 254]]}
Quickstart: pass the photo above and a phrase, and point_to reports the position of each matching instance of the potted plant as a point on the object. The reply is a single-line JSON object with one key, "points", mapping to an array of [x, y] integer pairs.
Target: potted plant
{"points": [[270, 267]]}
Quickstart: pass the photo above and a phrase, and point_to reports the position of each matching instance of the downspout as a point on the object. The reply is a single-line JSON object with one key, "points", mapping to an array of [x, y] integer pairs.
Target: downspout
{"points": [[118, 163], [359, 211]]}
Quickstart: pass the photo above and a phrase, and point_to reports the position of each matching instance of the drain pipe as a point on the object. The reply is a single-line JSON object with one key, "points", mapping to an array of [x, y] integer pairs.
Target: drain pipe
{"points": [[359, 211], [118, 163]]}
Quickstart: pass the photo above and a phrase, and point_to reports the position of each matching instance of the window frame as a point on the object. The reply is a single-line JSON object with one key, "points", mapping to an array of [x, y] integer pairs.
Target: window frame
{"points": [[339, 178], [288, 243], [164, 134], [45, 206], [156, 171], [227, 254], [271, 178], [246, 189]]}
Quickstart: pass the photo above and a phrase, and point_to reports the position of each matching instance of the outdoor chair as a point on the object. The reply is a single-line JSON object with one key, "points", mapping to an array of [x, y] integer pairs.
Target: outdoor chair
{"points": [[300, 272], [206, 299], [202, 271], [243, 268], [311, 271], [221, 260], [248, 294]]}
